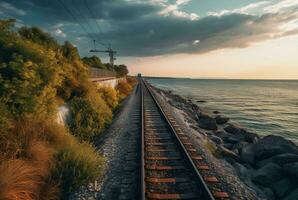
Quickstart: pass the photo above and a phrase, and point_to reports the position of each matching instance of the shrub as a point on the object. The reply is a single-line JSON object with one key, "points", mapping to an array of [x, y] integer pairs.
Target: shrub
{"points": [[76, 165], [110, 96], [131, 80], [123, 89], [89, 116]]}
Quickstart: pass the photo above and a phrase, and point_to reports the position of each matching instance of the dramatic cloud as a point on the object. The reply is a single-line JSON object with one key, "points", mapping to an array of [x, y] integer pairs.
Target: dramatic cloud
{"points": [[10, 9], [156, 27]]}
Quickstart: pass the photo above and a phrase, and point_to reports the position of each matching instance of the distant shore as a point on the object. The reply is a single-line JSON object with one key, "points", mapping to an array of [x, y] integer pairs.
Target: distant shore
{"points": [[267, 164]]}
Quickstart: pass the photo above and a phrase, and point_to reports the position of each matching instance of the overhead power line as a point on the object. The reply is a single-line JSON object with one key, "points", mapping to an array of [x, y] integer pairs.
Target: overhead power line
{"points": [[75, 18], [96, 22]]}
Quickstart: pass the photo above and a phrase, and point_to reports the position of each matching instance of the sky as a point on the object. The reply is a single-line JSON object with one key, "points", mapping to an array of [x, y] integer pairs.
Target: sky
{"points": [[245, 39]]}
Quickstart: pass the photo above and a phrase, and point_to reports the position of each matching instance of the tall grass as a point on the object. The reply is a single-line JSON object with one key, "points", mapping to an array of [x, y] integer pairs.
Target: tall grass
{"points": [[123, 88], [75, 165]]}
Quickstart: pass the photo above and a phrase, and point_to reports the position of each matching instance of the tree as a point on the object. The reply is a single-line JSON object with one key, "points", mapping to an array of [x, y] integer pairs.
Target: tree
{"points": [[121, 70], [69, 51], [94, 62], [36, 35]]}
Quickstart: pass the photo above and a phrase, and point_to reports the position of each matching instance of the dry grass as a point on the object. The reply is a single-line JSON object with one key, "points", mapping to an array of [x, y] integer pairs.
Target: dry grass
{"points": [[26, 162], [24, 180], [124, 89]]}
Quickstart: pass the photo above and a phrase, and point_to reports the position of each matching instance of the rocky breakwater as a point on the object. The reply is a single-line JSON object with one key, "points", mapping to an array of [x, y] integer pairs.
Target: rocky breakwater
{"points": [[269, 164]]}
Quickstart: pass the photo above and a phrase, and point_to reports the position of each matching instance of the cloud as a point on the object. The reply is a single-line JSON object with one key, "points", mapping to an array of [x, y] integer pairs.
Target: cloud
{"points": [[10, 9], [157, 27], [284, 4], [174, 10], [59, 33], [248, 9]]}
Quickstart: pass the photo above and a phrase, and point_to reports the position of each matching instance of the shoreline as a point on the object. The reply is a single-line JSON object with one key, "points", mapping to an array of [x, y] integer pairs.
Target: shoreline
{"points": [[266, 165]]}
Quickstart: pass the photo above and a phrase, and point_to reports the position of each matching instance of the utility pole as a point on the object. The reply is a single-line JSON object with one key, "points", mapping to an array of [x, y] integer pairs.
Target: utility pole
{"points": [[109, 50]]}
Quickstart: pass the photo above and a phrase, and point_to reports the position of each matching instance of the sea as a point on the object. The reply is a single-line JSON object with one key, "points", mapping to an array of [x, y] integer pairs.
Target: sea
{"points": [[262, 106]]}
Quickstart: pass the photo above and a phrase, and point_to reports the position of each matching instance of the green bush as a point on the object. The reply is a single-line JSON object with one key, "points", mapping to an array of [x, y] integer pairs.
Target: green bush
{"points": [[89, 116], [110, 96], [123, 89], [76, 165]]}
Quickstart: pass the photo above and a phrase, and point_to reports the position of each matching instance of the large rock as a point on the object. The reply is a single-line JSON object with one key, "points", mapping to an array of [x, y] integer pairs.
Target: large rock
{"points": [[207, 122], [282, 187], [216, 139], [226, 153], [292, 196], [291, 169], [271, 146], [269, 151], [244, 172], [231, 128], [221, 119], [268, 174], [241, 134], [222, 134], [247, 154], [269, 194], [280, 159]]}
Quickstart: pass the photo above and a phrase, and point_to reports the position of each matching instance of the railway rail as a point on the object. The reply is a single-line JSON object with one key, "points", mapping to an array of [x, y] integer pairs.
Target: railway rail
{"points": [[171, 166]]}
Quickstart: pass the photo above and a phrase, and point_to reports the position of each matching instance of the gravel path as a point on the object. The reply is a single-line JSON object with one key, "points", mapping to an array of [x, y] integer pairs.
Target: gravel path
{"points": [[120, 146]]}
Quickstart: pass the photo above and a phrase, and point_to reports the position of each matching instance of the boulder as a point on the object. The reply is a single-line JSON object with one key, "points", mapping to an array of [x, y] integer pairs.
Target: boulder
{"points": [[242, 170], [221, 119], [242, 134], [291, 169], [282, 187], [231, 128], [292, 196], [240, 145], [226, 153], [207, 122], [280, 159], [233, 139], [269, 194], [268, 152], [229, 146], [216, 139], [247, 154], [270, 141], [268, 174], [222, 134]]}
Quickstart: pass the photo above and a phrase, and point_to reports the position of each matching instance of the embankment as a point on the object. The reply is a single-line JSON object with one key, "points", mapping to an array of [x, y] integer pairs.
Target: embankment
{"points": [[267, 167]]}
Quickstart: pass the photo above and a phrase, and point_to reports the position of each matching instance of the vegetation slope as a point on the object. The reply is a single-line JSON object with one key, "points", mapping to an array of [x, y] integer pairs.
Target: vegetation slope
{"points": [[40, 159]]}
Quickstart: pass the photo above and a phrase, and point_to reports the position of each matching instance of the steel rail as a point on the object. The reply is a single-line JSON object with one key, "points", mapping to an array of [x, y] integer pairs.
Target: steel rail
{"points": [[207, 195]]}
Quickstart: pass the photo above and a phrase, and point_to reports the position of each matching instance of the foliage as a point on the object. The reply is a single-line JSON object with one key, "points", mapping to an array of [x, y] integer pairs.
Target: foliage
{"points": [[69, 51], [38, 36], [94, 61], [131, 80], [77, 164], [28, 77], [36, 154], [123, 89], [121, 70], [110, 96], [90, 114]]}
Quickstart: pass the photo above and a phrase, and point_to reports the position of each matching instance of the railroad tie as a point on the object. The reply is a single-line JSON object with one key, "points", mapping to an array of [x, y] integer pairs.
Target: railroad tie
{"points": [[172, 196]]}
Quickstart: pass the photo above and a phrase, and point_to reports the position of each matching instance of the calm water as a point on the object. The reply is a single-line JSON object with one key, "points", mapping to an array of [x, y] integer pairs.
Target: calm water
{"points": [[263, 106]]}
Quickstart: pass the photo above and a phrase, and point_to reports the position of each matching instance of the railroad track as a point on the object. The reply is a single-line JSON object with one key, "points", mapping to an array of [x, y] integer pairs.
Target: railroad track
{"points": [[171, 167]]}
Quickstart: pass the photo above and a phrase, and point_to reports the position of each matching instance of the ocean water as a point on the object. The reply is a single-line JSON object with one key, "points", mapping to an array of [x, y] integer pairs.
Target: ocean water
{"points": [[262, 106]]}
